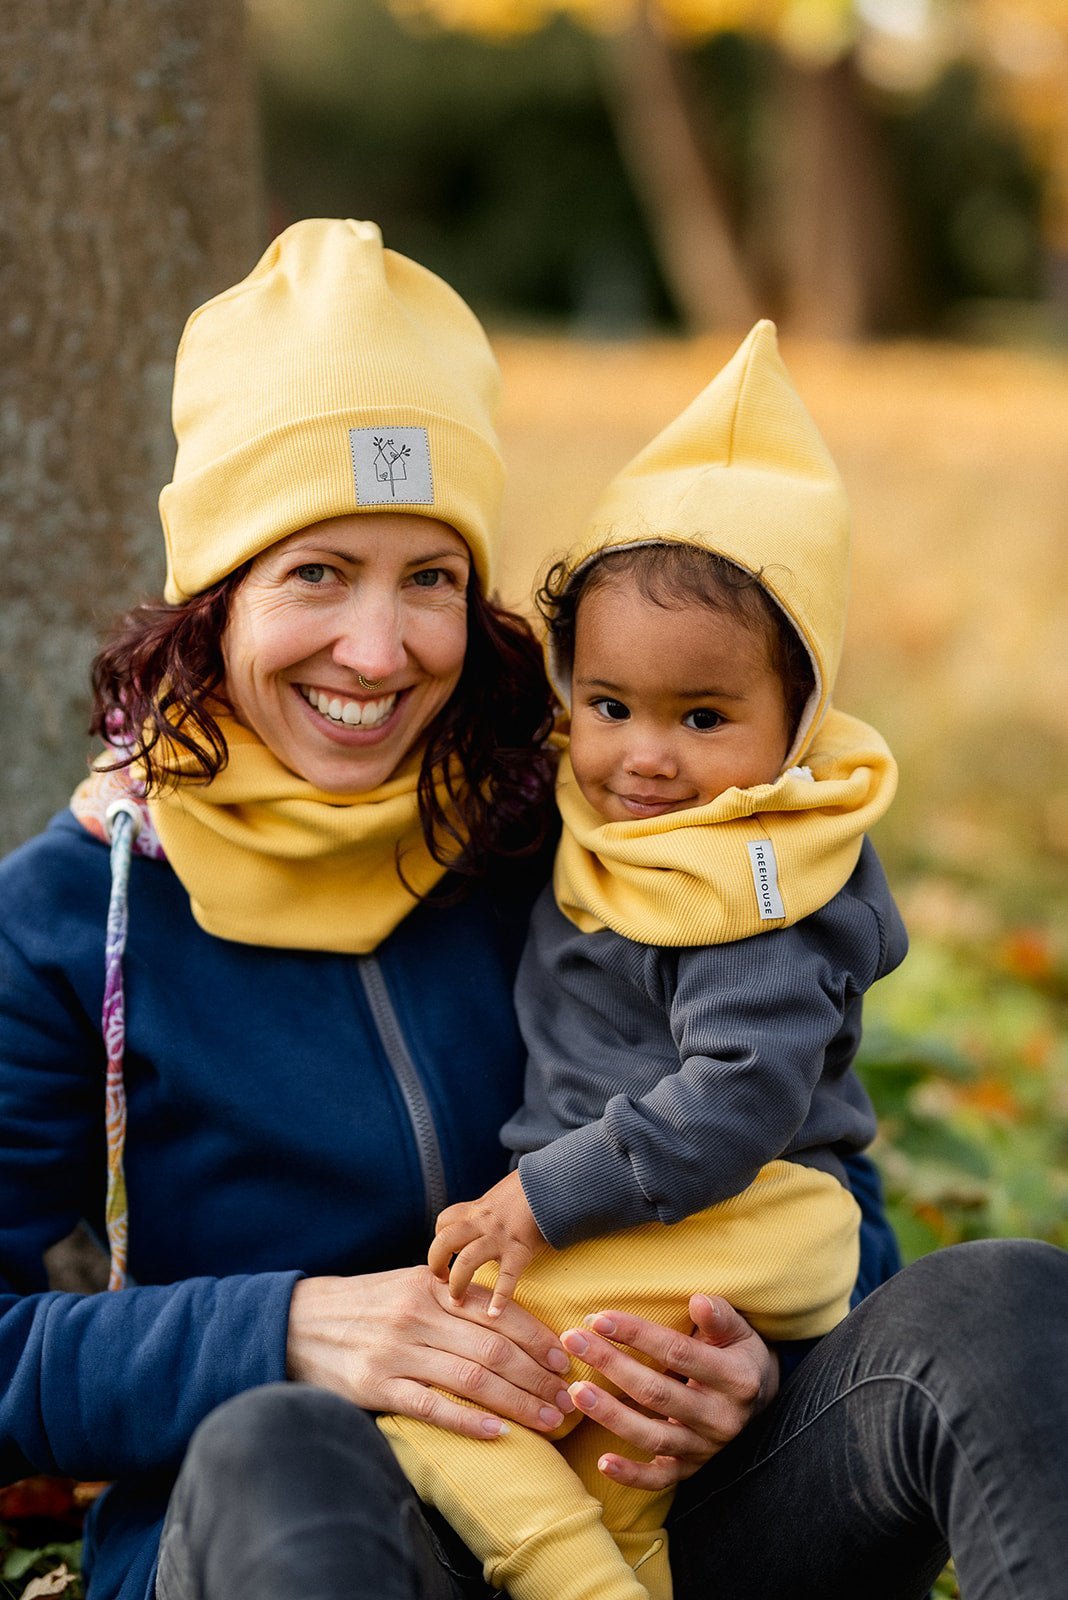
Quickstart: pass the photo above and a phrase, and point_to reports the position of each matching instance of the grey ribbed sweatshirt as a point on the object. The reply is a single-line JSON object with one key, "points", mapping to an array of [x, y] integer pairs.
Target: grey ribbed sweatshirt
{"points": [[659, 1081]]}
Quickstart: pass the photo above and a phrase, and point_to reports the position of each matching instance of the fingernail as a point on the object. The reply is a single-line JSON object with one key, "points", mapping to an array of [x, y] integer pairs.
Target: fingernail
{"points": [[550, 1416], [556, 1361], [494, 1311], [493, 1427], [587, 1394], [564, 1401], [600, 1324], [608, 1466], [575, 1342]]}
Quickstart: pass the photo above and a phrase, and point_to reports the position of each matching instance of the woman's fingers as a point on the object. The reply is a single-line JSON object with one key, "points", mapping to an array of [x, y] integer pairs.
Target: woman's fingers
{"points": [[712, 1415], [727, 1356], [511, 1363], [523, 1331], [657, 1436], [362, 1337], [428, 1405], [700, 1394]]}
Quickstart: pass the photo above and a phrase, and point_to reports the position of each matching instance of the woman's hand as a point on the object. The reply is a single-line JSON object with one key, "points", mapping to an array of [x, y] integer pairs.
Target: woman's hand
{"points": [[498, 1227], [714, 1380], [390, 1340]]}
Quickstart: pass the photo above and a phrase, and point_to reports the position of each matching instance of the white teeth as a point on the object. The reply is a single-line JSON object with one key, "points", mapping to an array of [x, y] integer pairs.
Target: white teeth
{"points": [[353, 713]]}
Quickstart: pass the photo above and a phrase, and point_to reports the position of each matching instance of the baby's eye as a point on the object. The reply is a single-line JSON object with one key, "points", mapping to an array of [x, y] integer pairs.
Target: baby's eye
{"points": [[702, 718], [613, 709], [311, 572]]}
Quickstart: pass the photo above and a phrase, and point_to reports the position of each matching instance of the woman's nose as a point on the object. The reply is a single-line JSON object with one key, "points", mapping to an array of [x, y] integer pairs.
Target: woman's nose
{"points": [[371, 638]]}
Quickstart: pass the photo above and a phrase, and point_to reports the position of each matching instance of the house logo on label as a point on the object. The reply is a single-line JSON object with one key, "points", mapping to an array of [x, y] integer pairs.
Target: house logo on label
{"points": [[390, 463], [391, 466]]}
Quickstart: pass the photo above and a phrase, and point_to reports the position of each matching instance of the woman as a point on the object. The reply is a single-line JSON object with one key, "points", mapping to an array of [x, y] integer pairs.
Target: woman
{"points": [[312, 1048]]}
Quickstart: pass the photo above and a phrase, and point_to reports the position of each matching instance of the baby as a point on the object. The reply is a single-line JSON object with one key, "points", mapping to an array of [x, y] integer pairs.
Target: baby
{"points": [[690, 993]]}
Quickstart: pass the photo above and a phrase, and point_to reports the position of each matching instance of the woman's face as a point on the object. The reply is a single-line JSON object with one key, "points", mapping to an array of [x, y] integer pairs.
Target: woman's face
{"points": [[377, 594]]}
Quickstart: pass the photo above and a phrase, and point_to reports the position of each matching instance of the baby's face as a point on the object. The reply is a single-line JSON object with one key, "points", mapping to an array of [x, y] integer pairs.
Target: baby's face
{"points": [[670, 706]]}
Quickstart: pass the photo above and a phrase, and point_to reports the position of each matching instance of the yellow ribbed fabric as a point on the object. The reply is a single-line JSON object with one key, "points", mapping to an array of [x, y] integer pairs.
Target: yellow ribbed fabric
{"points": [[784, 1251], [268, 859], [685, 878], [744, 473], [329, 332]]}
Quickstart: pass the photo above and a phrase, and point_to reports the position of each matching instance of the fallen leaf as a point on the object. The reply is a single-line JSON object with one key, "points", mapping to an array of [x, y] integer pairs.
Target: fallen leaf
{"points": [[58, 1581], [36, 1497]]}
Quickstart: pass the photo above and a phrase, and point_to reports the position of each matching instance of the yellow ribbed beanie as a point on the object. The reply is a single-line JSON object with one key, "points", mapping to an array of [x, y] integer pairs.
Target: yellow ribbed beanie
{"points": [[337, 377], [744, 473]]}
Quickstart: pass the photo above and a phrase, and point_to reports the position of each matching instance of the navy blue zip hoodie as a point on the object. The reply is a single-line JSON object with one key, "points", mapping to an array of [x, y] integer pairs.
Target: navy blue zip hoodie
{"points": [[290, 1112]]}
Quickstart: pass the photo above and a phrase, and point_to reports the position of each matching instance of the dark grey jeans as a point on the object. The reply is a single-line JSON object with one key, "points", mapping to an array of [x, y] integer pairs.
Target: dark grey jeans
{"points": [[934, 1419]]}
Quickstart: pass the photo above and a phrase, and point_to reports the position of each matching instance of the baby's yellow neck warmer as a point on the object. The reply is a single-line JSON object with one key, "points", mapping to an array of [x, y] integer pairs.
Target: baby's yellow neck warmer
{"points": [[751, 860], [268, 859]]}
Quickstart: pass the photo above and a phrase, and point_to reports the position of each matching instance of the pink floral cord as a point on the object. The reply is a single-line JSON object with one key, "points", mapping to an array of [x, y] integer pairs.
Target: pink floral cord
{"points": [[112, 807]]}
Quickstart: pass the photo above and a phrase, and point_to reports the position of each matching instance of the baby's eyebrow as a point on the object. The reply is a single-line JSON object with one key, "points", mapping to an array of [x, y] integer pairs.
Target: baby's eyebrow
{"points": [[680, 694], [711, 694]]}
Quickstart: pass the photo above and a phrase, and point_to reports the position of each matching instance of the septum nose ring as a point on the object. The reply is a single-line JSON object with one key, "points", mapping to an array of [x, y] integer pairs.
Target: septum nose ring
{"points": [[369, 683]]}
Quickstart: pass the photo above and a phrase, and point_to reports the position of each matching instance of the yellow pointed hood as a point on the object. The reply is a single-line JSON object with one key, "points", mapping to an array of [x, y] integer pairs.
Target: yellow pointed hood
{"points": [[744, 473]]}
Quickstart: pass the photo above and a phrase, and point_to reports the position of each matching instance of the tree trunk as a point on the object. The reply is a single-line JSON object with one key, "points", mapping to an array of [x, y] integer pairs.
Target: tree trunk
{"points": [[130, 192], [674, 179], [837, 227]]}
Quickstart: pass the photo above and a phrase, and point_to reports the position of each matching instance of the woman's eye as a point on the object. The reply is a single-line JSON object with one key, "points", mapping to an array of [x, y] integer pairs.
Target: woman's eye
{"points": [[702, 718], [311, 572], [429, 577], [615, 710]]}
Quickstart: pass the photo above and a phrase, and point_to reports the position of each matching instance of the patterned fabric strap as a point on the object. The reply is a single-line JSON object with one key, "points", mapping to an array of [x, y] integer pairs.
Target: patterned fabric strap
{"points": [[111, 806]]}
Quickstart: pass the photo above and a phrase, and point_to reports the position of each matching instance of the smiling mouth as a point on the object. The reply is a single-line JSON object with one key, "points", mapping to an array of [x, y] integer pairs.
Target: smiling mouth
{"points": [[652, 802], [350, 713]]}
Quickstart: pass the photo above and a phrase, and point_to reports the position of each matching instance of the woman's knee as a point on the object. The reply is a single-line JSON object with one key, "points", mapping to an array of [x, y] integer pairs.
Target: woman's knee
{"points": [[243, 1437], [992, 1283], [977, 1312], [287, 1484]]}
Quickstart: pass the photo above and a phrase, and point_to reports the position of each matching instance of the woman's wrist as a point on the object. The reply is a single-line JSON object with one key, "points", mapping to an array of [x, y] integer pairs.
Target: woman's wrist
{"points": [[317, 1334]]}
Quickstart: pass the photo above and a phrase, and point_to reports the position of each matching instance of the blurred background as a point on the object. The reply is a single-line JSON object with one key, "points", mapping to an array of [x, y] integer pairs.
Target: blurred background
{"points": [[620, 189]]}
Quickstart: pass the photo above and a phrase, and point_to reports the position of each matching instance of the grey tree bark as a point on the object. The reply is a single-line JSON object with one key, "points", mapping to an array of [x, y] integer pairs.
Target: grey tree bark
{"points": [[129, 192]]}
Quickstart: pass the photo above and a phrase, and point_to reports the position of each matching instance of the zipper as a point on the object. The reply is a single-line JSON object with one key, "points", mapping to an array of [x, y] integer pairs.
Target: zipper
{"points": [[410, 1084]]}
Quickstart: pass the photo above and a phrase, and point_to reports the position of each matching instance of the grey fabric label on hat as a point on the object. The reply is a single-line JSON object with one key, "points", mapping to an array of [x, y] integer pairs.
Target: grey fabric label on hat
{"points": [[391, 466]]}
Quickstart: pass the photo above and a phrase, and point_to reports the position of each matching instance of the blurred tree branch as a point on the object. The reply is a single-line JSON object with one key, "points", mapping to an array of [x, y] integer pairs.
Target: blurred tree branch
{"points": [[651, 107], [836, 252]]}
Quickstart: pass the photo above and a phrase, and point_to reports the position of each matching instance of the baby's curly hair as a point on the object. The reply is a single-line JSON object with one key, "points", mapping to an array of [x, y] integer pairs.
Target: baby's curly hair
{"points": [[672, 574]]}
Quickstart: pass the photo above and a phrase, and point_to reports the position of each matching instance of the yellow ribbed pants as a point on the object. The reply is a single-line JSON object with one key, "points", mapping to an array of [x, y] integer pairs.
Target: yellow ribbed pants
{"points": [[538, 1514]]}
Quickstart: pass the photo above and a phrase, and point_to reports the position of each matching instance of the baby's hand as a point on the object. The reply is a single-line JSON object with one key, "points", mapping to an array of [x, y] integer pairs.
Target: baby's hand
{"points": [[500, 1227]]}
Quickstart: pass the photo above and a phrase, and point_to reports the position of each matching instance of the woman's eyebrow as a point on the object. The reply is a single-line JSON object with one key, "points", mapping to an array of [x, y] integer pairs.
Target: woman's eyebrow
{"points": [[317, 552], [439, 555]]}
